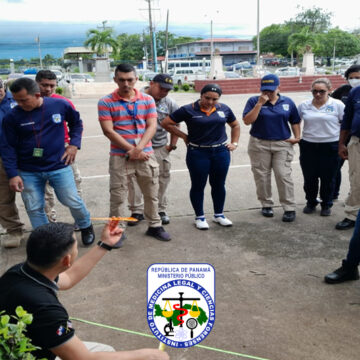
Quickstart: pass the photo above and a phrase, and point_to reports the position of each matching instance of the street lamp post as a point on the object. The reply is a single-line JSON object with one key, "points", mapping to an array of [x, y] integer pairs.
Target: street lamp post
{"points": [[258, 32]]}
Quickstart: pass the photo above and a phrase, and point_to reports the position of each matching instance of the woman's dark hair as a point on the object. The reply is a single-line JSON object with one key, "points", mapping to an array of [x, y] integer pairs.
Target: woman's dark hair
{"points": [[49, 243], [351, 69], [211, 87]]}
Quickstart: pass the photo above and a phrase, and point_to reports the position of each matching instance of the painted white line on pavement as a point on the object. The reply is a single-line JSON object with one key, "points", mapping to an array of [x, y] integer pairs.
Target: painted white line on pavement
{"points": [[93, 136], [172, 171]]}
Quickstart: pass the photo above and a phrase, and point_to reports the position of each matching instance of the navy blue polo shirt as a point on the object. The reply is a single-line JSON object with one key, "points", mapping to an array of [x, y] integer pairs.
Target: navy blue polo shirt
{"points": [[273, 120], [351, 119], [6, 105], [204, 129], [51, 327]]}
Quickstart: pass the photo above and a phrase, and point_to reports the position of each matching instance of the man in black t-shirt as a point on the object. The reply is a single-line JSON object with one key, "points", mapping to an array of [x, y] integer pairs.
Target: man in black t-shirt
{"points": [[50, 266]]}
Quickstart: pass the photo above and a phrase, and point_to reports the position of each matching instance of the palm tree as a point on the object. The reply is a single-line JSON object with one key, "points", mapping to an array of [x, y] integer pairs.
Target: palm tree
{"points": [[100, 41], [302, 42]]}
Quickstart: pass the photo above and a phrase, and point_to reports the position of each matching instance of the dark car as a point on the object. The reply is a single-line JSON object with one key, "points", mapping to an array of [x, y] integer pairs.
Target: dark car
{"points": [[4, 71]]}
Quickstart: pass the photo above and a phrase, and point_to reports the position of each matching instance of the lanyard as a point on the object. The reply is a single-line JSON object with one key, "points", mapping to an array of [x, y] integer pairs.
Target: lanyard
{"points": [[38, 135]]}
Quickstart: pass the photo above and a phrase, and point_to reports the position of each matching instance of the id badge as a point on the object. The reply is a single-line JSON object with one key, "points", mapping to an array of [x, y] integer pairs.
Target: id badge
{"points": [[38, 152]]}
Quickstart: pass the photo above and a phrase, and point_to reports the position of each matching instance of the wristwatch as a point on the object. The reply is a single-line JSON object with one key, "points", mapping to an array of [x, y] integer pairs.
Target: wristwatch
{"points": [[104, 246], [173, 147], [235, 143]]}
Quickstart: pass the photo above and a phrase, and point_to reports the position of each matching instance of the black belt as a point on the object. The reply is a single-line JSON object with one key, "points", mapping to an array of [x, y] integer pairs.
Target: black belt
{"points": [[207, 146]]}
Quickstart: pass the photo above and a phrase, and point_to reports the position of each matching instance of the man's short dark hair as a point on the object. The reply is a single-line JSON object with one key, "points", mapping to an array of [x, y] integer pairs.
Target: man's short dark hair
{"points": [[45, 74], [29, 85], [48, 243], [351, 69], [125, 68]]}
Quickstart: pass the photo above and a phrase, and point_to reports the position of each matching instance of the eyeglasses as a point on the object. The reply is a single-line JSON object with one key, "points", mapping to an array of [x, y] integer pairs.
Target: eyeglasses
{"points": [[321, 92]]}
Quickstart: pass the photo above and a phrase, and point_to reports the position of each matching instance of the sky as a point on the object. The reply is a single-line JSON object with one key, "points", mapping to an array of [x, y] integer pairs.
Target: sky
{"points": [[229, 17]]}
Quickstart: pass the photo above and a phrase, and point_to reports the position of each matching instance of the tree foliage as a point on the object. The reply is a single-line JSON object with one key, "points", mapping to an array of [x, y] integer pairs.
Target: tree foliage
{"points": [[303, 41], [100, 41], [316, 19]]}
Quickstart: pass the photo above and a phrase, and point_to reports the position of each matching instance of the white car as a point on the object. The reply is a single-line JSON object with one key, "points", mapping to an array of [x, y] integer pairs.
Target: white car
{"points": [[78, 77], [59, 74], [288, 71]]}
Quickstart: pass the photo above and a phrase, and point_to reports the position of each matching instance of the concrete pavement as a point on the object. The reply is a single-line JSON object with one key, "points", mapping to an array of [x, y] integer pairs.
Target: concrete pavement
{"points": [[271, 301]]}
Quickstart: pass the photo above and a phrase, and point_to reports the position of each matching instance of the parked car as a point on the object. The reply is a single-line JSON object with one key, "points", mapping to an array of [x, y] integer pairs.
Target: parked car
{"points": [[78, 77], [231, 75], [186, 76], [59, 74], [4, 71], [149, 75], [239, 66], [288, 71]]}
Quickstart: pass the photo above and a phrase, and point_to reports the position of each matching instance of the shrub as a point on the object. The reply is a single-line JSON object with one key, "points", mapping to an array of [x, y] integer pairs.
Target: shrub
{"points": [[14, 345], [59, 90], [176, 87], [186, 87]]}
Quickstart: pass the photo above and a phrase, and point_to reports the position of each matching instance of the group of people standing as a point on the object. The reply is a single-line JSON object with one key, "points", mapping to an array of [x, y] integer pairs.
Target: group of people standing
{"points": [[40, 137]]}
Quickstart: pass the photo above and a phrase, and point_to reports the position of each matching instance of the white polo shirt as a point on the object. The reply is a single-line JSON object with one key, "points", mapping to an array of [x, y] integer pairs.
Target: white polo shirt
{"points": [[323, 124]]}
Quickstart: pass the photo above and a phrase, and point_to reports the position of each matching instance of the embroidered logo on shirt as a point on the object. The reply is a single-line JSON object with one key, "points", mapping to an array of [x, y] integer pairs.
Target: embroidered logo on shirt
{"points": [[286, 107], [60, 331], [221, 114], [329, 108], [12, 105], [56, 118]]}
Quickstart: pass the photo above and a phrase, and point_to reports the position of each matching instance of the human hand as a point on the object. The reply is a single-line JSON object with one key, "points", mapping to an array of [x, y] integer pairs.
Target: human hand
{"points": [[293, 141], [111, 234], [134, 153], [343, 152], [69, 154], [263, 99], [231, 146], [16, 184]]}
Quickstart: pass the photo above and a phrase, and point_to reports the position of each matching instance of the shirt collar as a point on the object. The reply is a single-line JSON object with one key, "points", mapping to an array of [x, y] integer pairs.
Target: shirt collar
{"points": [[117, 97], [32, 274]]}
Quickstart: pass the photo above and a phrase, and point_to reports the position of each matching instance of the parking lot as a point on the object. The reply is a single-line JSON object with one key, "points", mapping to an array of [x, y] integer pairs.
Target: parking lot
{"points": [[271, 302]]}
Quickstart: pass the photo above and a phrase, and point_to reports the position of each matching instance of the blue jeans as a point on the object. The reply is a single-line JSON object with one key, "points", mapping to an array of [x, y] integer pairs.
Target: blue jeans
{"points": [[203, 163], [353, 255], [63, 182]]}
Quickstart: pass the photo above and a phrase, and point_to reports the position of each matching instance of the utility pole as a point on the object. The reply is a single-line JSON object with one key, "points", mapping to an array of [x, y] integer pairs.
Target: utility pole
{"points": [[38, 42], [151, 31], [166, 43], [258, 32]]}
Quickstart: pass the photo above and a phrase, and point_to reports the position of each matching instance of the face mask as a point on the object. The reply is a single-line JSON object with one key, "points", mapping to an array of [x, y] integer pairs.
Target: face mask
{"points": [[354, 82]]}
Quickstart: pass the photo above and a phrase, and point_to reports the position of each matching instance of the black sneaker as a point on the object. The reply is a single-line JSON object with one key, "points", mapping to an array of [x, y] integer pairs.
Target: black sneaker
{"points": [[289, 216], [325, 211], [344, 273], [138, 217], [345, 224], [267, 211], [87, 235], [158, 233], [309, 209], [164, 218]]}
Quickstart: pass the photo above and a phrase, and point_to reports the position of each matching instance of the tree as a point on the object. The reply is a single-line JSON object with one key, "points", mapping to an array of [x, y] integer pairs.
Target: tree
{"points": [[274, 39], [100, 41], [131, 47], [345, 44], [303, 41], [316, 19], [49, 59]]}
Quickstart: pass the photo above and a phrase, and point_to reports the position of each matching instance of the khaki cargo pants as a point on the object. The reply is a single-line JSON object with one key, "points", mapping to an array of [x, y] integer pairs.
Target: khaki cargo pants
{"points": [[267, 155], [146, 174]]}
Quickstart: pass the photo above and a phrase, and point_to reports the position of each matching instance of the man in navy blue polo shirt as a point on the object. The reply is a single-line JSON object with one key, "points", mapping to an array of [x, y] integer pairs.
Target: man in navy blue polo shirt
{"points": [[271, 146], [9, 215], [34, 152]]}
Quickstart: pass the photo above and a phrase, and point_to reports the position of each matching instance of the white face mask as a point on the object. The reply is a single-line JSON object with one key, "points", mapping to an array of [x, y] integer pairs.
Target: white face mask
{"points": [[354, 82]]}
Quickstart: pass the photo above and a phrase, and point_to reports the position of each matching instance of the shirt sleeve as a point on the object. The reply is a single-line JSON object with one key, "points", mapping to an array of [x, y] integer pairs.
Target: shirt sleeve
{"points": [[151, 109], [250, 104], [104, 112], [179, 115], [230, 115], [51, 327], [294, 114], [75, 126], [8, 145], [348, 113]]}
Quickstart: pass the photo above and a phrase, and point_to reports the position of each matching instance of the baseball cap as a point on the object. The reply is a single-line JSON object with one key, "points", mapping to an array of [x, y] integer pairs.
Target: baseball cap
{"points": [[164, 80], [269, 82]]}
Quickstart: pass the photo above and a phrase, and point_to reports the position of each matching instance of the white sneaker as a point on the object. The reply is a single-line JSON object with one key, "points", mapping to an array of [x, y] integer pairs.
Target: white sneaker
{"points": [[12, 240], [222, 220], [201, 224]]}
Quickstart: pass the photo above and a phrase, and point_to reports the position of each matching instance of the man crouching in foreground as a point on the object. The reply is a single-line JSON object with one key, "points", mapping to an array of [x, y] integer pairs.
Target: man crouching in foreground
{"points": [[50, 266]]}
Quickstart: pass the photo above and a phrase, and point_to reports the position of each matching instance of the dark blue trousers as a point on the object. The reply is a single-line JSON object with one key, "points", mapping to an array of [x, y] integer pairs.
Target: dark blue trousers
{"points": [[204, 163], [319, 162], [353, 256]]}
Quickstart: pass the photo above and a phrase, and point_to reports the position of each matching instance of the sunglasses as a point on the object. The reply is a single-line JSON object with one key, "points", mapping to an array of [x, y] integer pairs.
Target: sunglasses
{"points": [[321, 92]]}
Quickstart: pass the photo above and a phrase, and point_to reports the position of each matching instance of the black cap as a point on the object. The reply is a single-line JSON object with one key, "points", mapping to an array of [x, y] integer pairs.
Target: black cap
{"points": [[211, 87], [164, 80]]}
